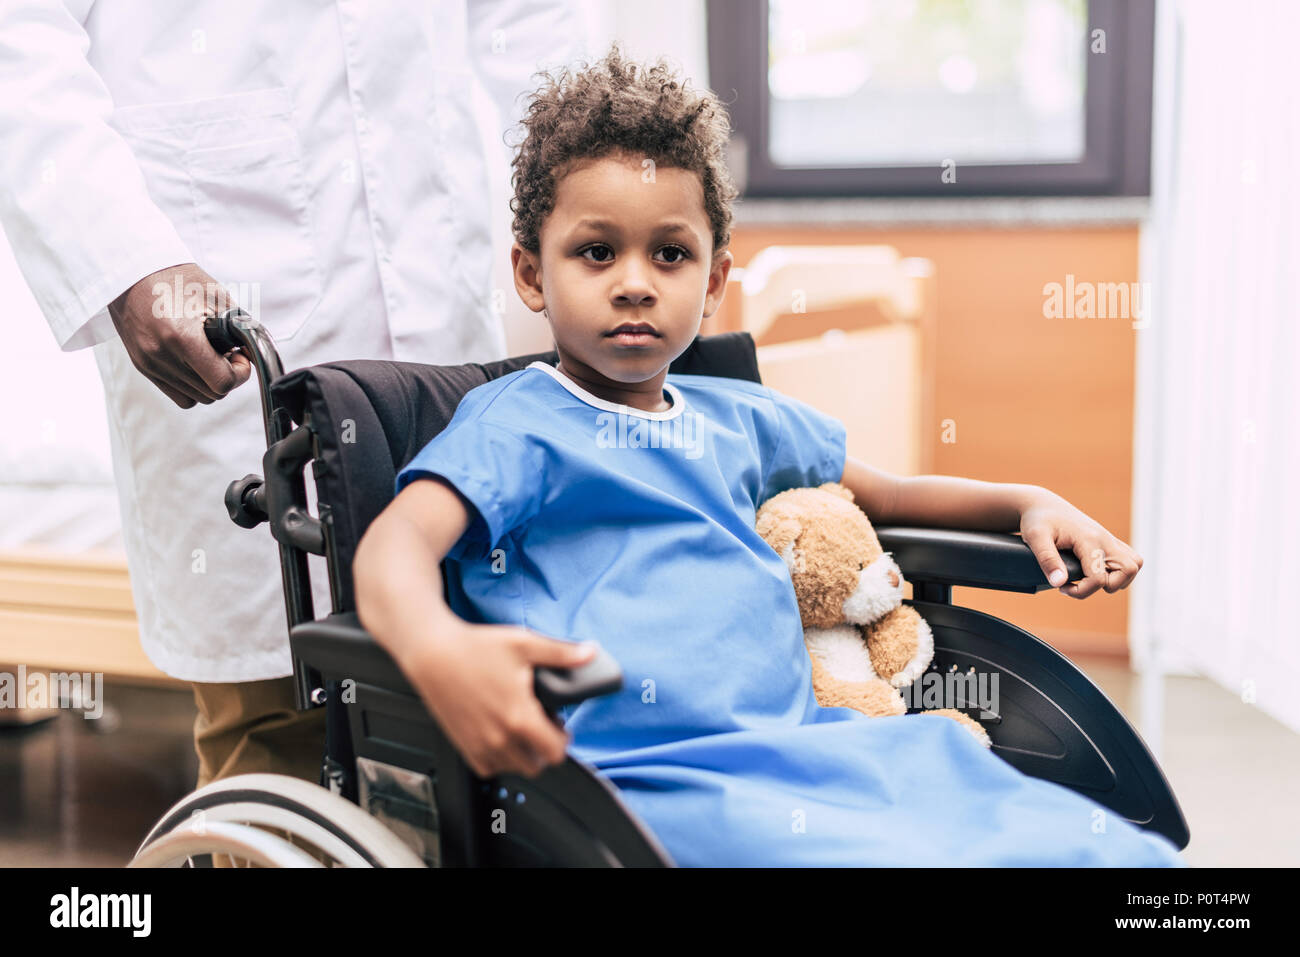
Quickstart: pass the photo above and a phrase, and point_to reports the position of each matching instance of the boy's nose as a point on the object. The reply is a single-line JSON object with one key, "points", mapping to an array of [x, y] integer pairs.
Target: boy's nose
{"points": [[633, 291], [634, 281]]}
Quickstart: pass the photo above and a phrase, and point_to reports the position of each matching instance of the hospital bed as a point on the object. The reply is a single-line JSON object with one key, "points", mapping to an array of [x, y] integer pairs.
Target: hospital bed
{"points": [[394, 792]]}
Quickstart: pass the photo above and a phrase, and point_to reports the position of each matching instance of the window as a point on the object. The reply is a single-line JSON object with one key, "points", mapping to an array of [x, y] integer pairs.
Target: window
{"points": [[937, 97]]}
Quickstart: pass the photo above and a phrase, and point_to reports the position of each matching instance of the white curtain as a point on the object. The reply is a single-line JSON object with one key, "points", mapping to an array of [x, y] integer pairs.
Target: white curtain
{"points": [[1217, 482]]}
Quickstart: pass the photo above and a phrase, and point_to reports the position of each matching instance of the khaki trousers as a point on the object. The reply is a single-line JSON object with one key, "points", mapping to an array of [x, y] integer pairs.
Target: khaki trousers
{"points": [[253, 727]]}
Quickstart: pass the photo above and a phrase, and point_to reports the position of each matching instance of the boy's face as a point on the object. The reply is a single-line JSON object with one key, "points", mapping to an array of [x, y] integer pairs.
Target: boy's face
{"points": [[626, 244]]}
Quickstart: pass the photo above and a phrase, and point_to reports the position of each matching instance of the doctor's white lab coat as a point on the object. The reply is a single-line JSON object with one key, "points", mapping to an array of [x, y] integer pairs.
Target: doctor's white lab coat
{"points": [[325, 162]]}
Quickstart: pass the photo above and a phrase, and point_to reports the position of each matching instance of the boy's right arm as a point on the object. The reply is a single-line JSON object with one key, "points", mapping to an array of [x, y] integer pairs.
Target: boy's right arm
{"points": [[477, 680]]}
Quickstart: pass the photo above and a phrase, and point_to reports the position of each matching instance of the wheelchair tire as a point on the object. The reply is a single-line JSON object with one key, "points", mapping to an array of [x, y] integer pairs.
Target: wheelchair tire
{"points": [[232, 817]]}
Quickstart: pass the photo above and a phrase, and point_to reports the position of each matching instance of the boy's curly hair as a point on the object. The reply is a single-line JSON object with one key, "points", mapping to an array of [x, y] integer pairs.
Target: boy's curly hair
{"points": [[619, 106]]}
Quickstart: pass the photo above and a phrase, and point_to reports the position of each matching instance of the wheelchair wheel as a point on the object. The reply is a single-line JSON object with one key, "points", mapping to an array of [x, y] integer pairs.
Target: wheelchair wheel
{"points": [[270, 820]]}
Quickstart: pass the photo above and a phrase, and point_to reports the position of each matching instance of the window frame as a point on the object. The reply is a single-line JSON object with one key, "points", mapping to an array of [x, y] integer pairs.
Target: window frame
{"points": [[1117, 120]]}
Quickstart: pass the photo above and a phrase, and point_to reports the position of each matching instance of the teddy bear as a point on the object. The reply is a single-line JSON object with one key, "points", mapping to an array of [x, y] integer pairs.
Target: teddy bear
{"points": [[864, 643]]}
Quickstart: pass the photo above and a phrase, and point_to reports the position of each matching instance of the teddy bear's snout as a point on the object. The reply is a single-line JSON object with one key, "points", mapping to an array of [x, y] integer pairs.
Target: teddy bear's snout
{"points": [[879, 591]]}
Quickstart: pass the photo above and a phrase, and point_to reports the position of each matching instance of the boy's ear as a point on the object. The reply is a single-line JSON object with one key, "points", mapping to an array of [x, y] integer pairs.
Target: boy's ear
{"points": [[527, 272], [717, 282]]}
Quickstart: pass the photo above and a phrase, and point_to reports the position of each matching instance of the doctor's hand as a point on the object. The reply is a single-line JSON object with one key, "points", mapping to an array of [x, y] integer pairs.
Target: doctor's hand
{"points": [[160, 322], [1049, 523], [478, 683]]}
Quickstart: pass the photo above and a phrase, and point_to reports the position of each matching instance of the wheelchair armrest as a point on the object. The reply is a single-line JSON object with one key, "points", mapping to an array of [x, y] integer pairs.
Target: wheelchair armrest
{"points": [[949, 556], [338, 643]]}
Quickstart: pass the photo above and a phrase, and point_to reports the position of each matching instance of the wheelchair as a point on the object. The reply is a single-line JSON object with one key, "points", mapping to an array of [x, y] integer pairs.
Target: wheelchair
{"points": [[393, 790]]}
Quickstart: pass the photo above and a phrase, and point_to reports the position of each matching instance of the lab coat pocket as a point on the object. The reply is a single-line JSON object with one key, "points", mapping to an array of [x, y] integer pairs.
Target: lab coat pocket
{"points": [[252, 221]]}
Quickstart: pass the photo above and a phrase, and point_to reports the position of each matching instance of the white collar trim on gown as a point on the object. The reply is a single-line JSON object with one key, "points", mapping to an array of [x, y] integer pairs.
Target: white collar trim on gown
{"points": [[679, 403]]}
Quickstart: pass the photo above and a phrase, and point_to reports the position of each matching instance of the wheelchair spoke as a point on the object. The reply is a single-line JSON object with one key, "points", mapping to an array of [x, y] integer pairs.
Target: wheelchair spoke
{"points": [[263, 820]]}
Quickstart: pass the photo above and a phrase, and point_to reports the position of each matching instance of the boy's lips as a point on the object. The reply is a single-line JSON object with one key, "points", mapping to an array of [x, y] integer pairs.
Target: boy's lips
{"points": [[635, 334], [633, 328]]}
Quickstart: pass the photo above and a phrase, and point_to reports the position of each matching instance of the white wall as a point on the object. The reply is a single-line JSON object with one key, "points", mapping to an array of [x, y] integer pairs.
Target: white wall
{"points": [[56, 479], [54, 420]]}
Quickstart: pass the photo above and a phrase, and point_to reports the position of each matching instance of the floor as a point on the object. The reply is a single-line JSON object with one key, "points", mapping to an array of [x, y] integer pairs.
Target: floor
{"points": [[83, 793], [1234, 769]]}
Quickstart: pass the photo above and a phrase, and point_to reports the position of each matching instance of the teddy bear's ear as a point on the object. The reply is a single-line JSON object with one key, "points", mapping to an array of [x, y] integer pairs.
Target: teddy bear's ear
{"points": [[835, 488], [779, 531]]}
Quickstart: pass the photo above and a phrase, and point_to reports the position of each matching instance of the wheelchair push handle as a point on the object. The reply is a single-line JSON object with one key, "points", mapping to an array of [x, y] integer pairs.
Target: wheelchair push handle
{"points": [[558, 687], [220, 330], [236, 329]]}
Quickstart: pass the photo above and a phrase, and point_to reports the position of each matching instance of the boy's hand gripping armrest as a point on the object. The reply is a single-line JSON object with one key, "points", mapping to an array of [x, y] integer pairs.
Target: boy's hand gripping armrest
{"points": [[558, 687]]}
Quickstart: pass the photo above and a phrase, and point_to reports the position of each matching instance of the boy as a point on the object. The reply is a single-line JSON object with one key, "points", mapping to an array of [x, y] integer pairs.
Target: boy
{"points": [[549, 528]]}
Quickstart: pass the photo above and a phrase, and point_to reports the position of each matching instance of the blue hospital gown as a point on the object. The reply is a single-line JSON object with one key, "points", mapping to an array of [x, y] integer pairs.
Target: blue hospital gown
{"points": [[636, 530]]}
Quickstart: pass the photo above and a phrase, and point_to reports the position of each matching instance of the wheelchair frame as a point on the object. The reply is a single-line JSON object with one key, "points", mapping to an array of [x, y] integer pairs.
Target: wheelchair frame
{"points": [[385, 752]]}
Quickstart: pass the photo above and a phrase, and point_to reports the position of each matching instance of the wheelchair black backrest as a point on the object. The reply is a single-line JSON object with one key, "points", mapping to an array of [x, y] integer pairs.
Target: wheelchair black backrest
{"points": [[372, 416]]}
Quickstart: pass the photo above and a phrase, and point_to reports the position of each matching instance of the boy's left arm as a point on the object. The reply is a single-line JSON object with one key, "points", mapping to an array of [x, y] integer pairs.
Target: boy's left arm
{"points": [[1045, 521]]}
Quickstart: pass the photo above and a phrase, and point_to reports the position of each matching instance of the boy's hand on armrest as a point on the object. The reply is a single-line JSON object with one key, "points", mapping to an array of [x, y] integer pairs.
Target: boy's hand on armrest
{"points": [[1049, 523], [479, 686], [476, 680]]}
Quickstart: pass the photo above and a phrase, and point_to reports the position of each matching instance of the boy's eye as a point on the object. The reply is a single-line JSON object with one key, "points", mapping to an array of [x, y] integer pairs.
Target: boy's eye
{"points": [[679, 253]]}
